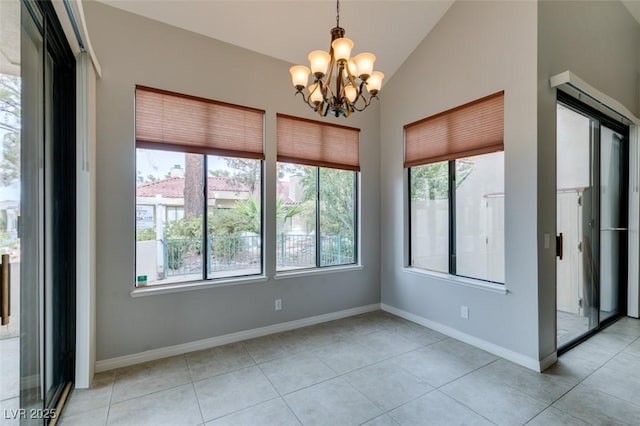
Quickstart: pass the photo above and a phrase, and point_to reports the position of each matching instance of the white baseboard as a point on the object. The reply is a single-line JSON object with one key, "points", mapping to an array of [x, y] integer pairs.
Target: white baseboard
{"points": [[500, 351], [548, 361], [154, 354]]}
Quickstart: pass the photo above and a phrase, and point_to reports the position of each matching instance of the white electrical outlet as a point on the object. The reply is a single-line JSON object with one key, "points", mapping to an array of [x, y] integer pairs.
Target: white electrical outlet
{"points": [[464, 312], [278, 304]]}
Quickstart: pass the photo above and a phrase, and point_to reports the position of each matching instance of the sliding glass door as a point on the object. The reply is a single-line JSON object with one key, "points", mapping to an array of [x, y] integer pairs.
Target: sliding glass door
{"points": [[37, 212], [592, 204]]}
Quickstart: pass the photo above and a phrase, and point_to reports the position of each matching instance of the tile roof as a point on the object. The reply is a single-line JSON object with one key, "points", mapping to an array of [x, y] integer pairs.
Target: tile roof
{"points": [[174, 187]]}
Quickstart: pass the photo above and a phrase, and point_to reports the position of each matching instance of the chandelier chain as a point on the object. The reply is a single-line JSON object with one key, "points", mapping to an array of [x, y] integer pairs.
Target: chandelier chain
{"points": [[337, 13]]}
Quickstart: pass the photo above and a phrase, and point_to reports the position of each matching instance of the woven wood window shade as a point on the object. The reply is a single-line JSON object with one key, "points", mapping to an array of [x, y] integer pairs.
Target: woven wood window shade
{"points": [[472, 129], [314, 143], [177, 122]]}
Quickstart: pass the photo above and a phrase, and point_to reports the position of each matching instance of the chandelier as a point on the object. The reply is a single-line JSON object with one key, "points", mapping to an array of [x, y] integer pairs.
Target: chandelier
{"points": [[351, 77]]}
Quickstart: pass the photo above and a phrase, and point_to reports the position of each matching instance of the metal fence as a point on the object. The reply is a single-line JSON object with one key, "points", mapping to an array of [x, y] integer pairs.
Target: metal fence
{"points": [[183, 256]]}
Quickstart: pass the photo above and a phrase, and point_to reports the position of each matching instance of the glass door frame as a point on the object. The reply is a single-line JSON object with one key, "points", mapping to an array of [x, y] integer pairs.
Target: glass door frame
{"points": [[599, 120]]}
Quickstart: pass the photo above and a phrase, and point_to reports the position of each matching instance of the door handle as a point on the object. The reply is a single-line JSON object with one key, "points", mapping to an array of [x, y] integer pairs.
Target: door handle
{"points": [[559, 245], [5, 290], [614, 229]]}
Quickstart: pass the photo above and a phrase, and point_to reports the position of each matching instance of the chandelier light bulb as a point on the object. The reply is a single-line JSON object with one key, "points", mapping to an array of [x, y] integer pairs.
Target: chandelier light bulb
{"points": [[353, 69], [315, 94], [299, 76], [342, 48], [350, 92], [319, 60], [374, 82], [364, 64]]}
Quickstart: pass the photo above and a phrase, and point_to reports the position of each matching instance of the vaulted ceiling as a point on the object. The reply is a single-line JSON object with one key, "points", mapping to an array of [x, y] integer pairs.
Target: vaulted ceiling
{"points": [[289, 30]]}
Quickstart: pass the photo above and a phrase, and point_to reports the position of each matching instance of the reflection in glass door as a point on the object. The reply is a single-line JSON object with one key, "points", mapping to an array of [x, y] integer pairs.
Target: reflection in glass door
{"points": [[613, 222], [591, 220], [576, 312]]}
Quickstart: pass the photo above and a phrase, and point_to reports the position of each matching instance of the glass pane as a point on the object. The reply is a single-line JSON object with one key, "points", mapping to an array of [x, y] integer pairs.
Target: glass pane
{"points": [[337, 215], [613, 221], [296, 217], [12, 115], [575, 199], [480, 217], [31, 215], [234, 206], [430, 216], [168, 251]]}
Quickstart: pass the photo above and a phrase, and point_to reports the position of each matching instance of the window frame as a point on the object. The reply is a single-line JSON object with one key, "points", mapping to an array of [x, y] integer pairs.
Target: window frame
{"points": [[318, 243], [451, 203], [205, 279]]}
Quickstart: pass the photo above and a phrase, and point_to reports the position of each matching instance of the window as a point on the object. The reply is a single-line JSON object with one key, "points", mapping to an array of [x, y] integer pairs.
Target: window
{"points": [[174, 213], [199, 188], [455, 163], [316, 194]]}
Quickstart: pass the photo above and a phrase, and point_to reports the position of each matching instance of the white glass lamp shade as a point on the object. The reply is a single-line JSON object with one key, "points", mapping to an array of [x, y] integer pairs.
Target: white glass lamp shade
{"points": [[364, 63], [374, 83], [342, 48], [315, 94], [299, 76], [353, 69], [350, 92], [319, 60]]}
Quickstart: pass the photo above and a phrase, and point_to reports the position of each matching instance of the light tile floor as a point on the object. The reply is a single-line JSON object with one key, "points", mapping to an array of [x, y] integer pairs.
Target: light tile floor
{"points": [[373, 369]]}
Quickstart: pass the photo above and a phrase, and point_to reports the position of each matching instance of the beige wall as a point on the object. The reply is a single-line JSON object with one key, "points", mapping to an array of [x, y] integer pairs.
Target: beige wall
{"points": [[478, 48], [134, 50]]}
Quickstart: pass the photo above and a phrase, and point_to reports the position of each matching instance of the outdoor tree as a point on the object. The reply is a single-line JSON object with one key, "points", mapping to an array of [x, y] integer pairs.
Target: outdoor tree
{"points": [[245, 172], [337, 198], [431, 182], [193, 186], [10, 164], [219, 173], [10, 111]]}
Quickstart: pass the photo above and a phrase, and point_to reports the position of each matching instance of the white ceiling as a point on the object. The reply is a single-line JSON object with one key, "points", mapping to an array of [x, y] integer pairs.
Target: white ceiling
{"points": [[289, 30]]}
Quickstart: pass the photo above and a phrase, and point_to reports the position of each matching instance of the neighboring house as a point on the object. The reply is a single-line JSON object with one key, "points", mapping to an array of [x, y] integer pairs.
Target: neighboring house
{"points": [[223, 192], [162, 201], [164, 198]]}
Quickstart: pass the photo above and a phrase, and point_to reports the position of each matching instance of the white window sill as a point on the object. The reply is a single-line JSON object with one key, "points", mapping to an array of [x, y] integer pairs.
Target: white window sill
{"points": [[150, 290], [467, 282], [283, 275]]}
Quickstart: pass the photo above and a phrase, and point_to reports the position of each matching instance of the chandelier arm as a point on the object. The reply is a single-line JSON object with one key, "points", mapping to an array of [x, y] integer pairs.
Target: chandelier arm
{"points": [[332, 64], [339, 83], [367, 102], [326, 110]]}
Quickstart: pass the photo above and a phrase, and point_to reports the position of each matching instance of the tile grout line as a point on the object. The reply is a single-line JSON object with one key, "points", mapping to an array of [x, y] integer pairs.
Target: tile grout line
{"points": [[195, 392], [242, 409], [580, 381], [464, 375], [113, 385]]}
